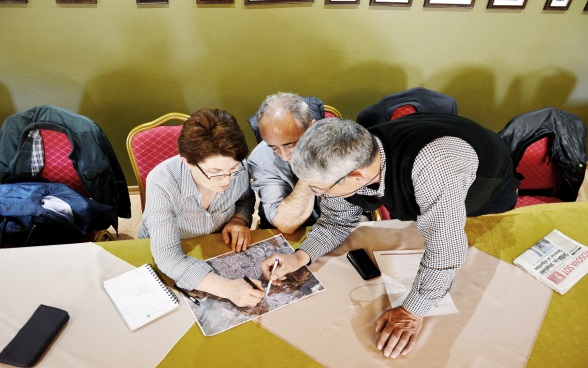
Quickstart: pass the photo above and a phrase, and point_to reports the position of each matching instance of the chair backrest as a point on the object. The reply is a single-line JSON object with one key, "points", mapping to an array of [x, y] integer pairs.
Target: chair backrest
{"points": [[548, 151], [536, 167], [331, 112], [58, 167], [541, 177], [403, 110], [151, 143]]}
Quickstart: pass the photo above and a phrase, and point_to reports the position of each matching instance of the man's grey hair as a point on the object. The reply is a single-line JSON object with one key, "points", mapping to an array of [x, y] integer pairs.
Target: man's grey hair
{"points": [[286, 101], [331, 149]]}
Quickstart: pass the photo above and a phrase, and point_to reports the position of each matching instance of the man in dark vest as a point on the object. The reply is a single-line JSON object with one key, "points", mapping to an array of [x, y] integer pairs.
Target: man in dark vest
{"points": [[430, 168]]}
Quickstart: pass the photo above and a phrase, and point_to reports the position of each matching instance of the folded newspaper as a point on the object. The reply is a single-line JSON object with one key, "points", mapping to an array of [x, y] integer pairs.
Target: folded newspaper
{"points": [[556, 260]]}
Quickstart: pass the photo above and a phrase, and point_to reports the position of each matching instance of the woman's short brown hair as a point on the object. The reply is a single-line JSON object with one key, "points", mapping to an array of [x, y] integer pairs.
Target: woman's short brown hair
{"points": [[210, 132]]}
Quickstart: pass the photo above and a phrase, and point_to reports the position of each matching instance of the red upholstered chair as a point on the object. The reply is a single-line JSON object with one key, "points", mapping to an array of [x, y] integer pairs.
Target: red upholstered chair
{"points": [[58, 168], [151, 143], [402, 111], [548, 150], [540, 175], [331, 112]]}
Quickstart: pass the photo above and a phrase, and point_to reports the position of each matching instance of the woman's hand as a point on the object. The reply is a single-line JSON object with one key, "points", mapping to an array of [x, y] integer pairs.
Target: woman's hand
{"points": [[237, 233], [242, 294], [238, 291]]}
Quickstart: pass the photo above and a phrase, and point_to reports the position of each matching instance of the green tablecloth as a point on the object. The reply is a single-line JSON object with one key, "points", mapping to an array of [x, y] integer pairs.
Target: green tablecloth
{"points": [[561, 339]]}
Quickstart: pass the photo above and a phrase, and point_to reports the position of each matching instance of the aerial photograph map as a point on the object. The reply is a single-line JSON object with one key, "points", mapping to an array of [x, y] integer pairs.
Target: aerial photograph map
{"points": [[215, 315]]}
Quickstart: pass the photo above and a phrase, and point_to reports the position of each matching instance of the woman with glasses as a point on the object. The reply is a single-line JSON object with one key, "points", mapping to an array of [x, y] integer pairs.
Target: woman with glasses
{"points": [[203, 190]]}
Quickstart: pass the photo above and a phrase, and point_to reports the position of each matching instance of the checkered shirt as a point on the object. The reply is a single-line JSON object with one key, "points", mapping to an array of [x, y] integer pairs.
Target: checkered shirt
{"points": [[38, 154], [442, 173]]}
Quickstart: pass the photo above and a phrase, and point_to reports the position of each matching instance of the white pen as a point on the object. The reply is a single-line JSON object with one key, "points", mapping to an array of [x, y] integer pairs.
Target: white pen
{"points": [[269, 285]]}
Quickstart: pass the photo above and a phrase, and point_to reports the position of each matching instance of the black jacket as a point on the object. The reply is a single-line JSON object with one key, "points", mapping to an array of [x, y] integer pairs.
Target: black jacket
{"points": [[568, 148], [422, 99], [92, 155]]}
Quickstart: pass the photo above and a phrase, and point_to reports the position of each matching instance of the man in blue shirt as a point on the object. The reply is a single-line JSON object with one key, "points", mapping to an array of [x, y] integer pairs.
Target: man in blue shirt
{"points": [[286, 202]]}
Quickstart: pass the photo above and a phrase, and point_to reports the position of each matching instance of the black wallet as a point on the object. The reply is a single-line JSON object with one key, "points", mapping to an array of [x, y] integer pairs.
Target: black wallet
{"points": [[31, 341]]}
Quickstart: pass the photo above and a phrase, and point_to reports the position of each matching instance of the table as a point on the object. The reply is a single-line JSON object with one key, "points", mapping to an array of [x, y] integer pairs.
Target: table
{"points": [[561, 338]]}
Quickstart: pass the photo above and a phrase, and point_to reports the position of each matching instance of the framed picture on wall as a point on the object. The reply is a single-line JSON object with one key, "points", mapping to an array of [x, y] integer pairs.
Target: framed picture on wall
{"points": [[267, 2], [341, 2], [391, 2], [586, 7], [152, 2], [215, 1], [449, 3], [557, 4], [76, 1], [13, 1], [506, 4]]}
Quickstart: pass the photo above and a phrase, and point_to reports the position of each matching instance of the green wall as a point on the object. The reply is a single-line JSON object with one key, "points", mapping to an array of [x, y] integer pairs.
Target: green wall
{"points": [[121, 64]]}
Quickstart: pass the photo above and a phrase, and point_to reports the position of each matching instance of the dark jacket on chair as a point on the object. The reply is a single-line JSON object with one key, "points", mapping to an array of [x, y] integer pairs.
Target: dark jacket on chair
{"points": [[92, 155], [422, 99], [26, 204], [568, 147]]}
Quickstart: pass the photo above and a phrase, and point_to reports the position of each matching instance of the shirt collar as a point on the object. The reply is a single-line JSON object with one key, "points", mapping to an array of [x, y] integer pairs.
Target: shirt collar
{"points": [[381, 188], [188, 186]]}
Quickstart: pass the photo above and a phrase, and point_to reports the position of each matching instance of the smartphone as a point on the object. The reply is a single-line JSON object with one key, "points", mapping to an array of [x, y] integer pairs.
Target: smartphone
{"points": [[363, 264]]}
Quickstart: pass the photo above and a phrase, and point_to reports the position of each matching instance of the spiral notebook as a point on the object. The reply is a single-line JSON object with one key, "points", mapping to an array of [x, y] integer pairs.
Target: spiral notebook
{"points": [[141, 296]]}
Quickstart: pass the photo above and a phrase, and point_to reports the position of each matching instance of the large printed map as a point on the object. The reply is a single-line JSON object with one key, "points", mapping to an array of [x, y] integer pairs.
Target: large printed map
{"points": [[215, 315]]}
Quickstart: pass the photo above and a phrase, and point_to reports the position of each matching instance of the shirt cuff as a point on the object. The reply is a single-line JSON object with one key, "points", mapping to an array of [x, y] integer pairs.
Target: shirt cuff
{"points": [[313, 251], [417, 304], [244, 214]]}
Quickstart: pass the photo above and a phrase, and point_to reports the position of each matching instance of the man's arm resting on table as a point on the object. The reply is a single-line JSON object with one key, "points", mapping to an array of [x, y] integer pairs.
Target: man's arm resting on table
{"points": [[294, 209], [442, 174]]}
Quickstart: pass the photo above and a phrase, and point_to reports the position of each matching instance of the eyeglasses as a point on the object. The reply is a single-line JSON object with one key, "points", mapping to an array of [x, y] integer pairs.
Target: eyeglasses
{"points": [[222, 176], [314, 190], [324, 191]]}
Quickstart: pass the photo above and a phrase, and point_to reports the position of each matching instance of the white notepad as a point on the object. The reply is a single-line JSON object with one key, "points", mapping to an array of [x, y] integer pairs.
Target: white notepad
{"points": [[141, 296]]}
